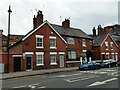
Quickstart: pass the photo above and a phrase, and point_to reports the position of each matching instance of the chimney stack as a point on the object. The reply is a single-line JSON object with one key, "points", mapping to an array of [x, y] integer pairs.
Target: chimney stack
{"points": [[99, 29], [66, 23], [94, 31], [38, 20]]}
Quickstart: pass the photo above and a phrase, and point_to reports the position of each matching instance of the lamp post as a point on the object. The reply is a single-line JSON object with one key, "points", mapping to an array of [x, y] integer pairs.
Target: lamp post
{"points": [[8, 37]]}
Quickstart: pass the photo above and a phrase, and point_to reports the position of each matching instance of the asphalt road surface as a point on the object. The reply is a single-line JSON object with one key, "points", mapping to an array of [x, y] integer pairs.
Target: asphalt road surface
{"points": [[101, 78]]}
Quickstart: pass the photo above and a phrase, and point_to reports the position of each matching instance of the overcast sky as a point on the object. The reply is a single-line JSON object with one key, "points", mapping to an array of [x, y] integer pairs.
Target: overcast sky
{"points": [[83, 14]]}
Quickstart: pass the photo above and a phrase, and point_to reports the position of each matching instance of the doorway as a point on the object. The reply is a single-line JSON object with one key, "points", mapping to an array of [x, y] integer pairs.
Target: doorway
{"points": [[28, 63], [61, 60], [17, 64]]}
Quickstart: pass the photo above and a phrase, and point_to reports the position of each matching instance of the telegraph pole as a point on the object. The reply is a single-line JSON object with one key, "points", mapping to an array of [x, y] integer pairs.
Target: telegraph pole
{"points": [[8, 37]]}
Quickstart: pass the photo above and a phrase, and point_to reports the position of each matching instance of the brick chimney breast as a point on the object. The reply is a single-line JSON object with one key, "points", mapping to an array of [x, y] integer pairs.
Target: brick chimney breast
{"points": [[99, 30], [66, 23], [94, 31], [38, 20]]}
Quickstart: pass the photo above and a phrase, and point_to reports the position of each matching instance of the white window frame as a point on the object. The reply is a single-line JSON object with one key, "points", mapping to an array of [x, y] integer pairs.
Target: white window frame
{"points": [[108, 55], [39, 36], [70, 52], [84, 43], [111, 46], [106, 45], [53, 53], [53, 37], [70, 40], [40, 53], [112, 56]]}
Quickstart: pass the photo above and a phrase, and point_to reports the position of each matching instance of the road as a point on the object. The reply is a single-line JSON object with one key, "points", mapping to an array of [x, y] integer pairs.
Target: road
{"points": [[102, 78]]}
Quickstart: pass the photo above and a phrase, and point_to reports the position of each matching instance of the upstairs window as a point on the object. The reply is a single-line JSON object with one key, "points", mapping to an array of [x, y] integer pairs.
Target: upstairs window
{"points": [[70, 40], [90, 42], [83, 42], [52, 42], [111, 45], [39, 41], [106, 45]]}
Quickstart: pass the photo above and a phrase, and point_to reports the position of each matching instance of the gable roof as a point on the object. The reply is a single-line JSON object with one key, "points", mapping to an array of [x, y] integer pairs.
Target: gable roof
{"points": [[99, 40], [74, 32], [45, 22], [12, 36]]}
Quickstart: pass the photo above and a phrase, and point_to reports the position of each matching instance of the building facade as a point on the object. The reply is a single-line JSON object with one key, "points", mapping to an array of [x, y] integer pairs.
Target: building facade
{"points": [[48, 46], [105, 48]]}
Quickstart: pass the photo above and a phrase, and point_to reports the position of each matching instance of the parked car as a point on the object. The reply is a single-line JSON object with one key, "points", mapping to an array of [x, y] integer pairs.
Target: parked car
{"points": [[118, 62], [109, 63], [90, 66]]}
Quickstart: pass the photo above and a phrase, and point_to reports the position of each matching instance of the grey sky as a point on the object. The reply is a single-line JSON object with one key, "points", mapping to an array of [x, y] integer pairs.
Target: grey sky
{"points": [[83, 14]]}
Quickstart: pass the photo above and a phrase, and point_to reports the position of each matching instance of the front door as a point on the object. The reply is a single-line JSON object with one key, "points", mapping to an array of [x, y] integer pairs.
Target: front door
{"points": [[17, 64], [28, 63], [62, 60]]}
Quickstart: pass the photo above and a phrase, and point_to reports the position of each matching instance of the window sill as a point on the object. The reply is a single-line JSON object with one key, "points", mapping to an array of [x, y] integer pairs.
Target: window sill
{"points": [[84, 46], [39, 64], [53, 48], [39, 47], [53, 63]]}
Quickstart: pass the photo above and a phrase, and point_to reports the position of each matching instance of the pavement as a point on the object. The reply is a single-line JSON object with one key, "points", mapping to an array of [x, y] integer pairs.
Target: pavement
{"points": [[35, 72]]}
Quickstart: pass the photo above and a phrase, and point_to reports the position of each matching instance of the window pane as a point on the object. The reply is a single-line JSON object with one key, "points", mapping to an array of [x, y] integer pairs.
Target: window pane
{"points": [[71, 54], [70, 40], [52, 42], [39, 59], [83, 42], [39, 42], [53, 58]]}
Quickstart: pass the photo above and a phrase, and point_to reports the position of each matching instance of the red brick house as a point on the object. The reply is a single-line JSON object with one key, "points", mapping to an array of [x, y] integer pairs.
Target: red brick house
{"points": [[48, 46], [105, 47], [113, 30]]}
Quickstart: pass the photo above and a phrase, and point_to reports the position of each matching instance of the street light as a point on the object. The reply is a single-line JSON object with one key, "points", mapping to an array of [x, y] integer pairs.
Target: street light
{"points": [[8, 37]]}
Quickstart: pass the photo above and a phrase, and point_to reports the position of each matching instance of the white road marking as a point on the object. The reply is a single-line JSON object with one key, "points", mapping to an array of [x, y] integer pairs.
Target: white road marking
{"points": [[42, 87], [80, 78], [102, 82], [32, 86], [110, 70], [68, 75], [20, 86]]}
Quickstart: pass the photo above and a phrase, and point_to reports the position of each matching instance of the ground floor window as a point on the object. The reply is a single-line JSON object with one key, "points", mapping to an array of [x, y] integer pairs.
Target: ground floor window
{"points": [[107, 56], [112, 54], [71, 54], [39, 59], [53, 58]]}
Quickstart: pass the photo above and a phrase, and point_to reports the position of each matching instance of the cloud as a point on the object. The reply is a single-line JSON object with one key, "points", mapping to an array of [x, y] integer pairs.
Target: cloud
{"points": [[83, 15]]}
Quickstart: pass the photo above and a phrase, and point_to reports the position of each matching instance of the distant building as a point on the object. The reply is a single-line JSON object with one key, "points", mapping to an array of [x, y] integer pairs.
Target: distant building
{"points": [[98, 39], [105, 48]]}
